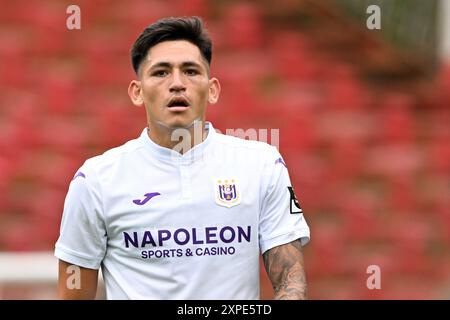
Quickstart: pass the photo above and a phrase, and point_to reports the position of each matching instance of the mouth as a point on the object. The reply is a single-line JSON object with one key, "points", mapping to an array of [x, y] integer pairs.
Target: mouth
{"points": [[178, 104]]}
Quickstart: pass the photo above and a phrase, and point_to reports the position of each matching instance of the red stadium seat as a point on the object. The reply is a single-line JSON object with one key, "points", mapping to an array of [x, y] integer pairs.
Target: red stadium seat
{"points": [[410, 239], [243, 22], [137, 16], [193, 8], [402, 195], [343, 89], [326, 251], [59, 94], [443, 219], [14, 53], [347, 160], [394, 160], [396, 119], [19, 236], [293, 61], [440, 155], [359, 213]]}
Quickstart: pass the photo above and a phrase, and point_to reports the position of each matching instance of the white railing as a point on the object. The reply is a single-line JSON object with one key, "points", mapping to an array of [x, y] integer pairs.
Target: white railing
{"points": [[444, 29]]}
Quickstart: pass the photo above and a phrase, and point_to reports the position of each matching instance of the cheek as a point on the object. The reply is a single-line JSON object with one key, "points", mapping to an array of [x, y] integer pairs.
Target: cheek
{"points": [[152, 93], [202, 99], [203, 91]]}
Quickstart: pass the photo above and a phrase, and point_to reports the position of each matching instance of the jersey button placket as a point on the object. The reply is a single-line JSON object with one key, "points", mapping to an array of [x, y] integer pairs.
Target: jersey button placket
{"points": [[186, 190]]}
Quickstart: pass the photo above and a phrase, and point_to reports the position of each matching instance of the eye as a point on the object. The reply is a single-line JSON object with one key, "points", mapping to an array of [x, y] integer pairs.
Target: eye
{"points": [[160, 73], [191, 72]]}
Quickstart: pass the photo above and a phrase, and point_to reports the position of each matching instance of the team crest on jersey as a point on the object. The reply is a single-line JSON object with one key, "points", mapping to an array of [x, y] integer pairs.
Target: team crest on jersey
{"points": [[227, 192]]}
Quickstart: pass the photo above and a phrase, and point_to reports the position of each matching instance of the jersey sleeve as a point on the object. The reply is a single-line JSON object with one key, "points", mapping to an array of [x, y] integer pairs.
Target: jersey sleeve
{"points": [[281, 216], [82, 239]]}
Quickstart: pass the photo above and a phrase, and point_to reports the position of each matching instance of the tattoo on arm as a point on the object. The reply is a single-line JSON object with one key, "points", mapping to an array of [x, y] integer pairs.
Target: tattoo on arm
{"points": [[285, 267]]}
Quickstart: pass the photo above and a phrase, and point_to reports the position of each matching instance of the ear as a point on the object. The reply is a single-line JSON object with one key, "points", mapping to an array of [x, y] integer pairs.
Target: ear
{"points": [[134, 91], [214, 90]]}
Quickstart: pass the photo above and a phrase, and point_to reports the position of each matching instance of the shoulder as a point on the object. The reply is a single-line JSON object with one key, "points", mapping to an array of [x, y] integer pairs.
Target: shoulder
{"points": [[249, 147], [251, 153]]}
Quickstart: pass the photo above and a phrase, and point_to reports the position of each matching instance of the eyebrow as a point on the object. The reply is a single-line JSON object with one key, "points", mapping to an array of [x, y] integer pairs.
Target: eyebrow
{"points": [[168, 64]]}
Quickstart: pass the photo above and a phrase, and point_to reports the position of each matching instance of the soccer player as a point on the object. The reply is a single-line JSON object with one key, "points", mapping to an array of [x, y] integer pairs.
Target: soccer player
{"points": [[181, 212]]}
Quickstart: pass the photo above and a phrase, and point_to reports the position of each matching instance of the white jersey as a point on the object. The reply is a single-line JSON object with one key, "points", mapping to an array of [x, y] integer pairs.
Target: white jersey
{"points": [[163, 225]]}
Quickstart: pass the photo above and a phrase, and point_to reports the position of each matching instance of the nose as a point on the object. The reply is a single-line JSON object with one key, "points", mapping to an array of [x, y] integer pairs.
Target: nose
{"points": [[177, 83]]}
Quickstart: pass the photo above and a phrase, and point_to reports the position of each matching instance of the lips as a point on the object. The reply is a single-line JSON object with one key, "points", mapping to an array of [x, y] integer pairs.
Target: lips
{"points": [[178, 102]]}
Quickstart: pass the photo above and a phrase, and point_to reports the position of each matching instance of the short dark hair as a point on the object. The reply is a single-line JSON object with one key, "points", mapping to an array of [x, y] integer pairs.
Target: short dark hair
{"points": [[173, 28]]}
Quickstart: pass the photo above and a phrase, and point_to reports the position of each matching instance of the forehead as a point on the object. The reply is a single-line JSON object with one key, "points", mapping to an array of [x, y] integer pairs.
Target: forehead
{"points": [[175, 52]]}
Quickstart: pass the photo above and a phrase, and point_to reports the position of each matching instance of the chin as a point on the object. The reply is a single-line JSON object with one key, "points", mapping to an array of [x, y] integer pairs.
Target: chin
{"points": [[179, 123]]}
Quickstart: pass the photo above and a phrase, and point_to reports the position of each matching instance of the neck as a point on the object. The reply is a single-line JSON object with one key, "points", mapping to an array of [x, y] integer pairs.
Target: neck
{"points": [[180, 139]]}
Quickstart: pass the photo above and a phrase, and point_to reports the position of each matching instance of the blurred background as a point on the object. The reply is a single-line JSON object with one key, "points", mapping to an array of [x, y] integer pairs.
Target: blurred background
{"points": [[364, 121]]}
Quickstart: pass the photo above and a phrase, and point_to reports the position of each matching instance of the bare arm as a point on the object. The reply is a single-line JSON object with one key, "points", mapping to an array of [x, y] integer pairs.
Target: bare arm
{"points": [[76, 283], [285, 267]]}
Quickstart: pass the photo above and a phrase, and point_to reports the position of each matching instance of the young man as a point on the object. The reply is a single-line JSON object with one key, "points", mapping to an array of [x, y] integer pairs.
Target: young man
{"points": [[182, 212]]}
